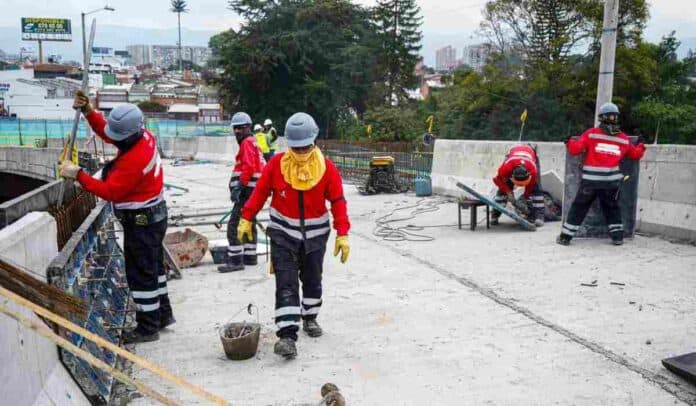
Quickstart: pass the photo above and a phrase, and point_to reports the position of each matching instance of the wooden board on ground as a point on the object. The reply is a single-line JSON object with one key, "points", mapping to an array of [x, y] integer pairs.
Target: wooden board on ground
{"points": [[513, 215]]}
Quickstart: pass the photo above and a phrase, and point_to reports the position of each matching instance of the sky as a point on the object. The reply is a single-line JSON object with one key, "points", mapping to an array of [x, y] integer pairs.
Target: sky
{"points": [[446, 22]]}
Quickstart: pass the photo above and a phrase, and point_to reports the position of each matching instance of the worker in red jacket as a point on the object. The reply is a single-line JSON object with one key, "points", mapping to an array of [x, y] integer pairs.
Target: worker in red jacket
{"points": [[246, 172], [520, 168], [300, 181], [604, 147], [133, 182]]}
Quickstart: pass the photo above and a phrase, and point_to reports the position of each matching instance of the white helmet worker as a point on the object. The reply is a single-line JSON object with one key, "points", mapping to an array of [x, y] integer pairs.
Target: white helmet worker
{"points": [[267, 122], [257, 127], [240, 119]]}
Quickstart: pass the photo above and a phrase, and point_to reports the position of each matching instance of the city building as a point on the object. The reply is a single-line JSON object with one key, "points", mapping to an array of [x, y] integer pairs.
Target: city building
{"points": [[140, 54], [28, 97], [476, 56], [445, 58]]}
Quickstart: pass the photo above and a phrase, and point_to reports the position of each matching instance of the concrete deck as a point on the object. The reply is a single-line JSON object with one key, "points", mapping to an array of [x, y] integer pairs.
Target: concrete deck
{"points": [[487, 317]]}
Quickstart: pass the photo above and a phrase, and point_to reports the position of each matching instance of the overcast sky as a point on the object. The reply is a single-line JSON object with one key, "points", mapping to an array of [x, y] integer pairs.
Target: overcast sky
{"points": [[445, 21]]}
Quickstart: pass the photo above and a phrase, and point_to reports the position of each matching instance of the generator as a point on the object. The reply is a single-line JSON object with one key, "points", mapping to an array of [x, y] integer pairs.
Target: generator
{"points": [[382, 177]]}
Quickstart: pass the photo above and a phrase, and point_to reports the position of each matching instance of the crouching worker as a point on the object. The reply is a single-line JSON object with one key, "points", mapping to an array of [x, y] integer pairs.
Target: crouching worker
{"points": [[133, 182], [520, 168], [604, 147], [247, 168], [300, 182]]}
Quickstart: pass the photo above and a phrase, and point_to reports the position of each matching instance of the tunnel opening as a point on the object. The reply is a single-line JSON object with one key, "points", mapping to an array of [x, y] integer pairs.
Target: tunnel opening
{"points": [[14, 185]]}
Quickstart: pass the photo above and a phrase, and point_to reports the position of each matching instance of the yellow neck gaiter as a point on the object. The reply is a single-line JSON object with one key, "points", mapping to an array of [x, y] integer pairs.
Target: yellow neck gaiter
{"points": [[303, 171]]}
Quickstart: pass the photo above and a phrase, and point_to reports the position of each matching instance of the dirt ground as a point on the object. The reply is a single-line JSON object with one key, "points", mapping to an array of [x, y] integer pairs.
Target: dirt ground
{"points": [[493, 316]]}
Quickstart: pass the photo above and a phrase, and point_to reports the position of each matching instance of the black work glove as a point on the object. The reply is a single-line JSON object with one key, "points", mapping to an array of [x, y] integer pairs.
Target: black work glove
{"points": [[235, 193], [566, 139]]}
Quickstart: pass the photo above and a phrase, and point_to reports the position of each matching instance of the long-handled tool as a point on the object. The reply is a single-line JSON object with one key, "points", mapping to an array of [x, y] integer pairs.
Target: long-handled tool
{"points": [[78, 113]]}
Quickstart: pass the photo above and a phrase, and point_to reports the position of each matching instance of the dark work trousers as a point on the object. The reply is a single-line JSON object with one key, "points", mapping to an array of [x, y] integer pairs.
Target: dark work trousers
{"points": [[238, 253], [142, 246], [608, 201], [537, 197], [291, 267]]}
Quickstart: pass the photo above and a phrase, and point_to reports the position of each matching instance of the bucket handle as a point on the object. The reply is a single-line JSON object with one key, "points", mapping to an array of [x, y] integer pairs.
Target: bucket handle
{"points": [[248, 308]]}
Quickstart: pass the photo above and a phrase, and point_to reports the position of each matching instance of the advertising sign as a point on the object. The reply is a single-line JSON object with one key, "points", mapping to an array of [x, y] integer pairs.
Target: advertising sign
{"points": [[46, 29]]}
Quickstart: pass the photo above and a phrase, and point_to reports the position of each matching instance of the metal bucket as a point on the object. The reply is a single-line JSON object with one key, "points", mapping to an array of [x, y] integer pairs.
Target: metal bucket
{"points": [[240, 340], [244, 346]]}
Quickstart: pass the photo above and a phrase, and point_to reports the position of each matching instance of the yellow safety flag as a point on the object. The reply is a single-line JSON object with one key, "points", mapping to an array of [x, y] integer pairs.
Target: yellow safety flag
{"points": [[523, 117]]}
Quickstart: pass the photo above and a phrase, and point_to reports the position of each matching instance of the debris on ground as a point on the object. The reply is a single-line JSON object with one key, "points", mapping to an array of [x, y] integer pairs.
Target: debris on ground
{"points": [[187, 247]]}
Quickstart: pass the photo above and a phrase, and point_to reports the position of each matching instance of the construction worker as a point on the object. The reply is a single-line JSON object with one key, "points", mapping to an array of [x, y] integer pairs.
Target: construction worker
{"points": [[133, 183], [246, 172], [604, 147], [263, 142], [272, 135], [520, 168], [300, 182]]}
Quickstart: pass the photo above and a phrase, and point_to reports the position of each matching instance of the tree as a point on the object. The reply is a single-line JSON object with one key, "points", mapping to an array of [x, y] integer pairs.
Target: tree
{"points": [[152, 107], [398, 23], [178, 7], [316, 56]]}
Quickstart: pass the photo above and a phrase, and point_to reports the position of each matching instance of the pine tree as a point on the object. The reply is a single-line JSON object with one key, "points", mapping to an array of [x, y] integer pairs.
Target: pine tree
{"points": [[398, 23]]}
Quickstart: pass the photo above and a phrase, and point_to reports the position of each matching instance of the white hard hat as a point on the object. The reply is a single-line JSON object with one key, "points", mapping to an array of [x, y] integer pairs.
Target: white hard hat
{"points": [[257, 127], [239, 119], [268, 122]]}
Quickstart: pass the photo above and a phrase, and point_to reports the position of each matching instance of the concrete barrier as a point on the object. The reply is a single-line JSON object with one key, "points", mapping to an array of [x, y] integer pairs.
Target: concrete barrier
{"points": [[666, 192], [32, 373], [29, 161]]}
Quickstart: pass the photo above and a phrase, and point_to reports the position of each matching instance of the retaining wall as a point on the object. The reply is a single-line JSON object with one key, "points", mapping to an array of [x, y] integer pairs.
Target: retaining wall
{"points": [[32, 373], [666, 191]]}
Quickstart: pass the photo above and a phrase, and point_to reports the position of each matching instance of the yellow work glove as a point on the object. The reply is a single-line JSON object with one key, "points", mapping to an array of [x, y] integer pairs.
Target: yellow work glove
{"points": [[81, 102], [68, 170], [343, 247], [244, 232]]}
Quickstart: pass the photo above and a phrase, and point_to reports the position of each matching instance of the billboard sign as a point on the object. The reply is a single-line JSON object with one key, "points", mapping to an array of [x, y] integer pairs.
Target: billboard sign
{"points": [[4, 87], [102, 51], [46, 29]]}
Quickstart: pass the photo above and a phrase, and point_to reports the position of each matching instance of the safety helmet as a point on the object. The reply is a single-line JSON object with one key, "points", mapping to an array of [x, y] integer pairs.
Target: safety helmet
{"points": [[521, 176], [268, 122], [124, 121], [301, 130], [608, 108], [240, 119], [257, 127]]}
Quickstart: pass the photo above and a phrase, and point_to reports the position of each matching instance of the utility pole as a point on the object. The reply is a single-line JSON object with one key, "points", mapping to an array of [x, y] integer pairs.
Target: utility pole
{"points": [[605, 84]]}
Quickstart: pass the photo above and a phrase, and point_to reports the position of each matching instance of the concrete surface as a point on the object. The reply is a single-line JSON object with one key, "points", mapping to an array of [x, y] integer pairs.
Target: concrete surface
{"points": [[29, 161], [31, 372], [666, 190], [487, 317]]}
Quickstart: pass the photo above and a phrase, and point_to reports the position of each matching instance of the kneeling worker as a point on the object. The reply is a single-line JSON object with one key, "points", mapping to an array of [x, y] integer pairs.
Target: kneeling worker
{"points": [[300, 182], [133, 182], [520, 168]]}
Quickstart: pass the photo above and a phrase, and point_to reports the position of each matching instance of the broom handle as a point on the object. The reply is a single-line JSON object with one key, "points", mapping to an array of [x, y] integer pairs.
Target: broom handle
{"points": [[89, 358], [112, 347]]}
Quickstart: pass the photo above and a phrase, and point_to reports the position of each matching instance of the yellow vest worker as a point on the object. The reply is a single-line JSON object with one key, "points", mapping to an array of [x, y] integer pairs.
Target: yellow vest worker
{"points": [[261, 139]]}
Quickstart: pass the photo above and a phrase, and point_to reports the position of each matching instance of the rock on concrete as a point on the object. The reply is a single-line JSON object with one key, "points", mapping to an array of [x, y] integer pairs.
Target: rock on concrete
{"points": [[487, 317]]}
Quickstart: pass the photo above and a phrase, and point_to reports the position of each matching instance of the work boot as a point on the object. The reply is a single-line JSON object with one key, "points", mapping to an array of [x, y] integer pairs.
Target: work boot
{"points": [[539, 222], [563, 240], [167, 321], [285, 347], [494, 220], [135, 336], [230, 268], [312, 328], [251, 261], [617, 241]]}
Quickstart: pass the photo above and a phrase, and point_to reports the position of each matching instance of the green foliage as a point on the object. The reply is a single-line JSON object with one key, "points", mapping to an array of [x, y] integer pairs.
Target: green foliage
{"points": [[152, 107], [315, 56], [178, 6], [398, 30]]}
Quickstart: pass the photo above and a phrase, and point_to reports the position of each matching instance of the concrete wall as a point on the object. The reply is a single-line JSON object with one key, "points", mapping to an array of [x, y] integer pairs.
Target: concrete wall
{"points": [[29, 161], [31, 372], [666, 192]]}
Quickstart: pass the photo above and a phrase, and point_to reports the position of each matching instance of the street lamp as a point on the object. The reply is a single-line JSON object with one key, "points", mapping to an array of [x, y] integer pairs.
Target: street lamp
{"points": [[84, 39]]}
